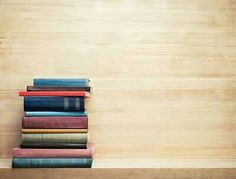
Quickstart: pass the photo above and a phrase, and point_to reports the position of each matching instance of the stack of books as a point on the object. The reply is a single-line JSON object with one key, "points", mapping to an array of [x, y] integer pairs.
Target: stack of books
{"points": [[55, 125]]}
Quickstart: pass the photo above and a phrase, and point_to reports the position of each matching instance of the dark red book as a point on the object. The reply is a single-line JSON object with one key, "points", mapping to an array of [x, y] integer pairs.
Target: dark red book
{"points": [[54, 93], [58, 88], [55, 122], [53, 153]]}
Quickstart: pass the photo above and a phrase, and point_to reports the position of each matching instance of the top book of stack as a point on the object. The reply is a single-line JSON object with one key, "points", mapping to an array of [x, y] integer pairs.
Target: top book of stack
{"points": [[49, 84]]}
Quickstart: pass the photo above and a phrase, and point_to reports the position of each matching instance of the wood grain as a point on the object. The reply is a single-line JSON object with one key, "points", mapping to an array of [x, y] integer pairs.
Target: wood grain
{"points": [[119, 173], [163, 73]]}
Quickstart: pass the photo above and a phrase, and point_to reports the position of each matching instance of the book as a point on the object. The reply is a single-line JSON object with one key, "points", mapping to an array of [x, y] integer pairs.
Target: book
{"points": [[58, 88], [54, 130], [79, 82], [55, 114], [54, 93], [53, 103], [51, 153], [55, 122], [55, 137], [52, 162], [58, 145]]}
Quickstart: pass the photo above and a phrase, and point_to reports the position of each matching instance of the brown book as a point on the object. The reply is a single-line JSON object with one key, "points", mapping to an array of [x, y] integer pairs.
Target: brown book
{"points": [[58, 88], [54, 130]]}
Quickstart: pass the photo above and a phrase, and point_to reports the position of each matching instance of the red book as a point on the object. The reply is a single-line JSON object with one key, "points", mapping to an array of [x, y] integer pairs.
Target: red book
{"points": [[54, 93], [55, 122], [53, 153]]}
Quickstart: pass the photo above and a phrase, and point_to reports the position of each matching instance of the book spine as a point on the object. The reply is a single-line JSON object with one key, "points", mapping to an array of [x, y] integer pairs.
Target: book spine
{"points": [[61, 82], [54, 131], [55, 122], [52, 163], [55, 88], [57, 153], [54, 93], [45, 103], [57, 137], [54, 114], [53, 145]]}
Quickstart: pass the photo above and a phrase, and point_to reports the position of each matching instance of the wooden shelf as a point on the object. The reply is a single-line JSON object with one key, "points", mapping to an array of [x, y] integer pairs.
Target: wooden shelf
{"points": [[130, 169]]}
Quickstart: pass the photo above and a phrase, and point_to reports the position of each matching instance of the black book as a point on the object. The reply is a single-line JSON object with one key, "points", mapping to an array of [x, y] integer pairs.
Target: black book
{"points": [[54, 145]]}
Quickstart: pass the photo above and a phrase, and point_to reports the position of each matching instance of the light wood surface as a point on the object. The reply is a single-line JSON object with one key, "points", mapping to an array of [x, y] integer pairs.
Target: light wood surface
{"points": [[162, 72], [119, 173]]}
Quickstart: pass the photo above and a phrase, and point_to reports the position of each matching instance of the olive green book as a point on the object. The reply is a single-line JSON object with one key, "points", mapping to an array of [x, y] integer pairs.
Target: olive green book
{"points": [[55, 137]]}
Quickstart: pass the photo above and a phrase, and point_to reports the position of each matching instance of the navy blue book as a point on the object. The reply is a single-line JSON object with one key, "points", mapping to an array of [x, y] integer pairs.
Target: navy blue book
{"points": [[52, 162], [54, 113], [79, 82], [54, 103]]}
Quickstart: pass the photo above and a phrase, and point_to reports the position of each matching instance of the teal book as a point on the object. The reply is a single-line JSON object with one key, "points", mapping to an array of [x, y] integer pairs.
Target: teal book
{"points": [[52, 162], [61, 82], [53, 113]]}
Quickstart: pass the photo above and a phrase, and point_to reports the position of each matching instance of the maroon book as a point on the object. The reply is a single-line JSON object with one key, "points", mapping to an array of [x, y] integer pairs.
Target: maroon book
{"points": [[51, 153], [55, 122]]}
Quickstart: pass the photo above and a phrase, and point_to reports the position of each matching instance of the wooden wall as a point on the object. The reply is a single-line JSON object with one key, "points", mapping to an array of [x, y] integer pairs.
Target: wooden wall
{"points": [[163, 72]]}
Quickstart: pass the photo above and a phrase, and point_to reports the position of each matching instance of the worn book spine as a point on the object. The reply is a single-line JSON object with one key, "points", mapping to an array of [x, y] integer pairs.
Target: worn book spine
{"points": [[55, 122], [58, 88], [80, 82], [54, 93], [52, 162], [51, 153], [55, 114], [54, 103], [54, 130], [58, 145], [55, 137]]}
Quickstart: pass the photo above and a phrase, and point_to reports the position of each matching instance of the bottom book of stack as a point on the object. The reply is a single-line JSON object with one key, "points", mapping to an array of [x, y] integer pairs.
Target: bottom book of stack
{"points": [[52, 158]]}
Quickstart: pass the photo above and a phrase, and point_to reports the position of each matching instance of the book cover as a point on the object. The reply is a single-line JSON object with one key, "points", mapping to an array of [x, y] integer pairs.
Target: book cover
{"points": [[54, 93], [80, 82], [58, 88], [55, 137], [54, 103], [51, 153], [52, 162], [55, 114], [58, 145], [55, 122], [54, 130]]}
